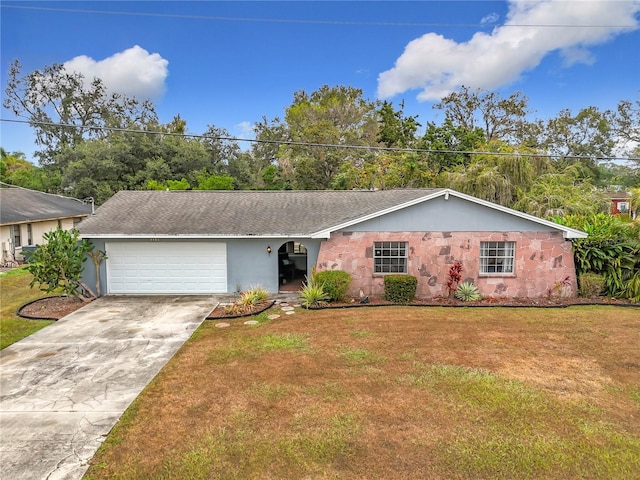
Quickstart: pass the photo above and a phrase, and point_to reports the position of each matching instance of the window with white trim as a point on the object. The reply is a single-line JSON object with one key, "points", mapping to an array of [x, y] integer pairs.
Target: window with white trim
{"points": [[15, 236], [390, 257], [497, 257]]}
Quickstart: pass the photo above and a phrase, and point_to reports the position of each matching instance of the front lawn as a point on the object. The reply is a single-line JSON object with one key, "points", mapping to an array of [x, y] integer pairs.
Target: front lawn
{"points": [[15, 292], [393, 392]]}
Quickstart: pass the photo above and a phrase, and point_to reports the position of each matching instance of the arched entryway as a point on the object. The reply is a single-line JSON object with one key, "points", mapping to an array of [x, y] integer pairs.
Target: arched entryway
{"points": [[292, 266]]}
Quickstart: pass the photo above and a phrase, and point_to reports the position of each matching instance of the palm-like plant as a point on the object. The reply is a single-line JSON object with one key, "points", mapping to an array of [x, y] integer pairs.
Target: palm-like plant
{"points": [[467, 292], [312, 293]]}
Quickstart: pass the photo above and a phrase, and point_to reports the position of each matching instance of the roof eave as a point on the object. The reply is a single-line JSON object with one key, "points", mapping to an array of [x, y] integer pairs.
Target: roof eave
{"points": [[141, 236], [47, 219]]}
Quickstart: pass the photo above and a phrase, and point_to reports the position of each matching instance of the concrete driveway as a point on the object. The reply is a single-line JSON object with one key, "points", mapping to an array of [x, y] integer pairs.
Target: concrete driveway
{"points": [[63, 388]]}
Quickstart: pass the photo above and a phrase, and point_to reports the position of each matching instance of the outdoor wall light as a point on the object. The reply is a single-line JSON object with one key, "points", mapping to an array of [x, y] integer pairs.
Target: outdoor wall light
{"points": [[269, 249]]}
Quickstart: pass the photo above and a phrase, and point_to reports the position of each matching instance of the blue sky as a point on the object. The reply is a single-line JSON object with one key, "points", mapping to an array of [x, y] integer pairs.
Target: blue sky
{"points": [[229, 64]]}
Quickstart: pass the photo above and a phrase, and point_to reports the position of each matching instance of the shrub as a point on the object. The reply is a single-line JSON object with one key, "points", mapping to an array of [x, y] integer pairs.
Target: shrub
{"points": [[611, 249], [455, 275], [57, 264], [400, 288], [467, 292], [335, 283], [253, 296], [632, 288], [312, 293], [591, 284]]}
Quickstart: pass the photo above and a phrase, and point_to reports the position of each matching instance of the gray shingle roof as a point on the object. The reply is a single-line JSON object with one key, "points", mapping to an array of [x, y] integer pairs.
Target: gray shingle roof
{"points": [[239, 212], [19, 205]]}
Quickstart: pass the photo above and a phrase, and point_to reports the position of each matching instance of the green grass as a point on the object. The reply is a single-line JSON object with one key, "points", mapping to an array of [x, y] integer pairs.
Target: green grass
{"points": [[361, 356], [249, 348], [361, 334], [15, 292], [286, 341]]}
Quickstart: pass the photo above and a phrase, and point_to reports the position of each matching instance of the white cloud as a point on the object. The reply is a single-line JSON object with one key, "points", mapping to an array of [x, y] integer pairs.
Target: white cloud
{"points": [[437, 65], [134, 72], [573, 55], [491, 18], [245, 130]]}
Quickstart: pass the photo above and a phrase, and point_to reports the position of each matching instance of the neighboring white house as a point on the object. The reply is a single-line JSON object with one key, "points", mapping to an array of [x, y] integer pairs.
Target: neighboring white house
{"points": [[26, 215]]}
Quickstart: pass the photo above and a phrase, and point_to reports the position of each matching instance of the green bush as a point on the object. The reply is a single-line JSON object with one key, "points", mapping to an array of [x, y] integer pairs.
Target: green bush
{"points": [[400, 288], [612, 250], [57, 264], [335, 283], [632, 288], [591, 284]]}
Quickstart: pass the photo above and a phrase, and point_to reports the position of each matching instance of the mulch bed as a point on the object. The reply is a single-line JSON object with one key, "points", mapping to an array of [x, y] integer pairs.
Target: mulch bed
{"points": [[54, 308], [543, 302], [50, 308], [237, 311]]}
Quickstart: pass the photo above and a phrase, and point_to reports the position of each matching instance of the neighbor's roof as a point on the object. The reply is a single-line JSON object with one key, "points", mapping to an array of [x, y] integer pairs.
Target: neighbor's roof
{"points": [[265, 213], [21, 205]]}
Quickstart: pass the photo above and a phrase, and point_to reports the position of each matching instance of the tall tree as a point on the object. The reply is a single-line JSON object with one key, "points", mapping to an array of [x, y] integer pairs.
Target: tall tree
{"points": [[15, 169], [500, 118], [446, 141], [220, 149], [396, 129], [626, 126], [502, 177], [588, 135], [626, 122], [329, 116], [559, 194], [64, 110]]}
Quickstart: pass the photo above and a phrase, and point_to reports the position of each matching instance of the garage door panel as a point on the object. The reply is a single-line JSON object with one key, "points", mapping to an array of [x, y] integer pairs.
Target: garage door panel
{"points": [[164, 268]]}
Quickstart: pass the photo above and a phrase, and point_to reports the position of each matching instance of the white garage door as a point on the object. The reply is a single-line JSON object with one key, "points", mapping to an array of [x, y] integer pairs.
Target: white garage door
{"points": [[166, 267]]}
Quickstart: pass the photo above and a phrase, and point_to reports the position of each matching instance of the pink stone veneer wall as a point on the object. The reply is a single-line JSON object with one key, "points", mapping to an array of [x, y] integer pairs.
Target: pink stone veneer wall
{"points": [[542, 261]]}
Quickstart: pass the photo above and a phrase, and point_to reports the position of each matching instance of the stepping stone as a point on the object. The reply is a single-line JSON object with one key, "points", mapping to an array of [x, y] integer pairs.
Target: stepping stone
{"points": [[286, 309], [223, 325], [291, 312], [251, 322], [273, 316]]}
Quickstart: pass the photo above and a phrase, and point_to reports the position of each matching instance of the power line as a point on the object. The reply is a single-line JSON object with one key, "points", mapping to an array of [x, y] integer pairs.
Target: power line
{"points": [[311, 144], [307, 22]]}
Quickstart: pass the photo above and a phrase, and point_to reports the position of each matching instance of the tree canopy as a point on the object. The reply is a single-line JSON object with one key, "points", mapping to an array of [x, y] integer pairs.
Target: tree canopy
{"points": [[91, 145]]}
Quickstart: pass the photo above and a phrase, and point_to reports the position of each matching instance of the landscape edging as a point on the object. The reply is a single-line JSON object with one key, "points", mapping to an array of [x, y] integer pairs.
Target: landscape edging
{"points": [[231, 317], [29, 317]]}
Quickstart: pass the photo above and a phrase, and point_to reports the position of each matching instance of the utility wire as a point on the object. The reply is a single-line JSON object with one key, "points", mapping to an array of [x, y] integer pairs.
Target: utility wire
{"points": [[307, 22], [311, 144]]}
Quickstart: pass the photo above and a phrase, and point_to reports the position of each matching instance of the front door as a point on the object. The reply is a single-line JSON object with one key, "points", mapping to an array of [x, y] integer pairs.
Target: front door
{"points": [[292, 266]]}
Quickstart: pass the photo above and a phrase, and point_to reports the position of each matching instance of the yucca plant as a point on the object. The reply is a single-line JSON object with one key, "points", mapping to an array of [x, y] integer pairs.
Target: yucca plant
{"points": [[312, 293], [253, 296], [467, 292]]}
